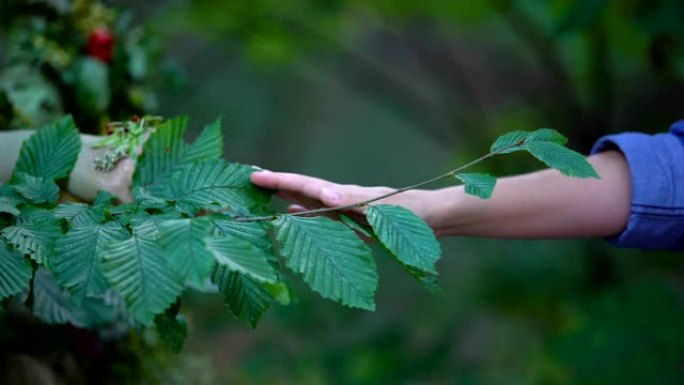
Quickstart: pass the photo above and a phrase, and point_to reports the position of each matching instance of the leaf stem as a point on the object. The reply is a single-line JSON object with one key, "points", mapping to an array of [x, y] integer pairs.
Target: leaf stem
{"points": [[324, 210]]}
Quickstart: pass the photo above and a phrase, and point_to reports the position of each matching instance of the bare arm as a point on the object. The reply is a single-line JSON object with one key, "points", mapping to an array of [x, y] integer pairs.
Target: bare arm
{"points": [[84, 181], [543, 204]]}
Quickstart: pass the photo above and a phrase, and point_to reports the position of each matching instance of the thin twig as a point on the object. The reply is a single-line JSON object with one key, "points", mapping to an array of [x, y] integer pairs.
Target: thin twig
{"points": [[383, 196]]}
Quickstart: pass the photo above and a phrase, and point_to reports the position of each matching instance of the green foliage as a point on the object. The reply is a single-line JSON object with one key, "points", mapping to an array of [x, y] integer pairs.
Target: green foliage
{"points": [[333, 260], [50, 153], [478, 184], [245, 297], [138, 270], [182, 242], [15, 271], [173, 329], [36, 189], [409, 239], [547, 145], [197, 222]]}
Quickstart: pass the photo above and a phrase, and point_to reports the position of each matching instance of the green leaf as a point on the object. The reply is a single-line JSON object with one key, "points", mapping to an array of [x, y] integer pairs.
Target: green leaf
{"points": [[78, 255], [516, 140], [51, 152], [241, 256], [138, 270], [478, 184], [145, 200], [255, 233], [161, 151], [15, 271], [208, 145], [36, 189], [405, 235], [333, 260], [53, 305], [245, 297], [182, 241], [9, 206], [79, 214], [172, 329], [34, 238], [215, 183], [166, 151], [566, 161]]}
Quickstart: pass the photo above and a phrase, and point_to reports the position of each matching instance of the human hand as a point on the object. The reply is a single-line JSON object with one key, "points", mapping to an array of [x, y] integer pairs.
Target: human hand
{"points": [[85, 181], [305, 193]]}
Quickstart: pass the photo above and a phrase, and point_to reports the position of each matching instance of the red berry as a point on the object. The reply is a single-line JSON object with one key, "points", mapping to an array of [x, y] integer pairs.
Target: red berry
{"points": [[101, 44]]}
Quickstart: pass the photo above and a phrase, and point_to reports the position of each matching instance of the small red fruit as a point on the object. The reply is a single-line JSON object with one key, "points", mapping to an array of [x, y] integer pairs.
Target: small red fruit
{"points": [[101, 44]]}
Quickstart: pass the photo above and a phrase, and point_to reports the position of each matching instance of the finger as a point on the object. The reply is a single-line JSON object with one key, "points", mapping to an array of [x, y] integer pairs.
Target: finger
{"points": [[294, 183], [292, 209]]}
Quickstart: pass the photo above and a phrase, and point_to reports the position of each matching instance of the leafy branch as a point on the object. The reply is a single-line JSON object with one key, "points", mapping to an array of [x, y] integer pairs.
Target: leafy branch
{"points": [[480, 184], [197, 223]]}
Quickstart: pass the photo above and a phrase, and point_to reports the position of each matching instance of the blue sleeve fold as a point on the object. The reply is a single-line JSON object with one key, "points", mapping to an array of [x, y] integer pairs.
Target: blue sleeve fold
{"points": [[656, 164]]}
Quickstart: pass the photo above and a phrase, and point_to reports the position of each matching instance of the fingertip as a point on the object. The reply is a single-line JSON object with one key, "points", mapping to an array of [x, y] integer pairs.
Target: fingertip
{"points": [[262, 178], [295, 209]]}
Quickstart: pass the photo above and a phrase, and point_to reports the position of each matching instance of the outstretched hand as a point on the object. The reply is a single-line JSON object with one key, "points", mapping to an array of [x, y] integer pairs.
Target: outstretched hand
{"points": [[306, 193]]}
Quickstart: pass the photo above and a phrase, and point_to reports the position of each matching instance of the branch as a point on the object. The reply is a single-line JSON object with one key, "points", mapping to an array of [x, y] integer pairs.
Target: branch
{"points": [[324, 210]]}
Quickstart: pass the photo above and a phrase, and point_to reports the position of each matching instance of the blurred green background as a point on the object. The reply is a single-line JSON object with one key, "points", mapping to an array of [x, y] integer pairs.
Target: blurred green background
{"points": [[391, 92]]}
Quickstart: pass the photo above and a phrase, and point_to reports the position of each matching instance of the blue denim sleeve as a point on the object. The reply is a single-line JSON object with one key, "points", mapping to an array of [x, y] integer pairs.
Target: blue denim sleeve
{"points": [[656, 164]]}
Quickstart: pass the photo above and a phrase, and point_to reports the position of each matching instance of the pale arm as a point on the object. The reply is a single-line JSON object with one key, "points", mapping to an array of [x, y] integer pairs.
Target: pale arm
{"points": [[84, 181], [543, 204]]}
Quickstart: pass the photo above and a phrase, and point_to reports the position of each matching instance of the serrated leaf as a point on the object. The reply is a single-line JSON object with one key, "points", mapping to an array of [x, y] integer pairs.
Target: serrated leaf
{"points": [[9, 206], [405, 235], [166, 151], [241, 256], [333, 260], [161, 151], [79, 214], [37, 190], [35, 239], [516, 140], [53, 305], [478, 184], [566, 161], [51, 152], [208, 145], [137, 269], [172, 329], [255, 233], [215, 183], [15, 271], [182, 241], [145, 200], [246, 298], [77, 259]]}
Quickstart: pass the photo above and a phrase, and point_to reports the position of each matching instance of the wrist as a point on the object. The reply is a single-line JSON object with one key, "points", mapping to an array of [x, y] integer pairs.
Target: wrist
{"points": [[446, 210]]}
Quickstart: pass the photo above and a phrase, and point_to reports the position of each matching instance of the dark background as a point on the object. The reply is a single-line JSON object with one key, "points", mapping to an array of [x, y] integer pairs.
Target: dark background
{"points": [[391, 92]]}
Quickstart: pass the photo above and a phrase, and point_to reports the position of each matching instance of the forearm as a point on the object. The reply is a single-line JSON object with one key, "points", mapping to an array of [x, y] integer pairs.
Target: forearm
{"points": [[543, 204], [84, 181]]}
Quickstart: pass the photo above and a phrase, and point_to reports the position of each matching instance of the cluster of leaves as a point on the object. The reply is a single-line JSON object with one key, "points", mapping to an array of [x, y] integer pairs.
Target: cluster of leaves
{"points": [[196, 222]]}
